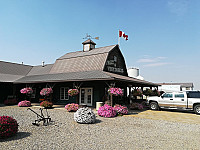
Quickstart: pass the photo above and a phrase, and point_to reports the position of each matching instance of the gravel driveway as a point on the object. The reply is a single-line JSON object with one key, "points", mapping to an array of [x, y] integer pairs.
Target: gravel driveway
{"points": [[126, 132]]}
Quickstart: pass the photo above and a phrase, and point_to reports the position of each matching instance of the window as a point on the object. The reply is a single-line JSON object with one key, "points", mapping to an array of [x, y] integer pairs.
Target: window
{"points": [[64, 93], [167, 95], [193, 94], [179, 95]]}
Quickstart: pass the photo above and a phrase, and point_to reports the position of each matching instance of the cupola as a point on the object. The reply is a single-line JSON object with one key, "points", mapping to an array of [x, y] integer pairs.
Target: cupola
{"points": [[88, 45]]}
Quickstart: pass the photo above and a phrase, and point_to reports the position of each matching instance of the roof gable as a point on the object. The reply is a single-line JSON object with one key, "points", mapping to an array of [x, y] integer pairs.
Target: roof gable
{"points": [[82, 61]]}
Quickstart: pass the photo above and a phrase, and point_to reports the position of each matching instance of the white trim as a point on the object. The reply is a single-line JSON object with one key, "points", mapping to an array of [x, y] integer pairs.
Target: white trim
{"points": [[84, 98], [65, 88]]}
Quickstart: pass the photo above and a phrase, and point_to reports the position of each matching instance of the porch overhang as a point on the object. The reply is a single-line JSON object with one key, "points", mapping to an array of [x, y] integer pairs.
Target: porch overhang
{"points": [[95, 75]]}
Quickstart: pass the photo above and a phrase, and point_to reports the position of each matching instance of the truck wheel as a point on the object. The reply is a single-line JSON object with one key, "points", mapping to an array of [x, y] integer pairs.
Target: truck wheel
{"points": [[197, 109], [153, 106]]}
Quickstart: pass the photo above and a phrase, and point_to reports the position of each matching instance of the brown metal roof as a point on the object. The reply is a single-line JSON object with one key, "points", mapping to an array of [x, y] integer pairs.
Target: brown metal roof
{"points": [[82, 61], [95, 51]]}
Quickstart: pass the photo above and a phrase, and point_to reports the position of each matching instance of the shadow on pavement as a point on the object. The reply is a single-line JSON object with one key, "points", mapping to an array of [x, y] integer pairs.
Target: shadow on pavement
{"points": [[19, 135]]}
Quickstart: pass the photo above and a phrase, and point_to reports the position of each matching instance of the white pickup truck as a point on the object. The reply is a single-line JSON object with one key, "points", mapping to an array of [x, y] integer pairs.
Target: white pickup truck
{"points": [[189, 100]]}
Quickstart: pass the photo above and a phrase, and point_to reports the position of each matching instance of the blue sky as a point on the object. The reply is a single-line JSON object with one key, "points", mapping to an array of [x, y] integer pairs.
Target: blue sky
{"points": [[164, 35]]}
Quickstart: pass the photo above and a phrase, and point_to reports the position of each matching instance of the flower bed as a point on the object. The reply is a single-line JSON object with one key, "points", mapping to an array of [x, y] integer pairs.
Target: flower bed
{"points": [[8, 126], [73, 92], [106, 111], [72, 107], [121, 110], [24, 103], [46, 104]]}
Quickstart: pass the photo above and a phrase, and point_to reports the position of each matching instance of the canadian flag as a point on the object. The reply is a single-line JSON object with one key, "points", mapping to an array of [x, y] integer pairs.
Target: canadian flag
{"points": [[122, 34]]}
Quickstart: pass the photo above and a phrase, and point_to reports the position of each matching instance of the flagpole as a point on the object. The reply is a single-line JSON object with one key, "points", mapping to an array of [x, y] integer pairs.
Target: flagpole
{"points": [[118, 39]]}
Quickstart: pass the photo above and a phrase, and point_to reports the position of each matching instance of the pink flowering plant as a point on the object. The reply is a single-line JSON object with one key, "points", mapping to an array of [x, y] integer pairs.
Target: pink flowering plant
{"points": [[24, 103], [46, 91], [73, 92], [107, 111], [115, 91], [27, 90], [121, 110], [72, 107], [8, 126]]}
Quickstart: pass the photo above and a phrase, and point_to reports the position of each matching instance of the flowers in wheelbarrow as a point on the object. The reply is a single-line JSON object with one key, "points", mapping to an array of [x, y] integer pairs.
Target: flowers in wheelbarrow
{"points": [[115, 91], [46, 91], [73, 92]]}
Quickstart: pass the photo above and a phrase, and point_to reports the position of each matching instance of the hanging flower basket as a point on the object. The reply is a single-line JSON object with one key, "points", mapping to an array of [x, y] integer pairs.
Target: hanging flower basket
{"points": [[27, 90], [46, 91], [73, 92], [137, 92], [115, 91], [148, 92]]}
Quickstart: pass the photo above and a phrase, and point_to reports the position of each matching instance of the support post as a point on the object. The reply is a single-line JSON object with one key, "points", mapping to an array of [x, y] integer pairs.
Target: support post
{"points": [[111, 100], [129, 96]]}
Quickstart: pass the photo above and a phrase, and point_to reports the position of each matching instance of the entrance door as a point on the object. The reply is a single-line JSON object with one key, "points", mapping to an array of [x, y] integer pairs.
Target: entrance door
{"points": [[86, 96]]}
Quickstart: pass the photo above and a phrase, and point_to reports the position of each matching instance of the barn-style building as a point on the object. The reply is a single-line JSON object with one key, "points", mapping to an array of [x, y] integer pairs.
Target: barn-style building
{"points": [[92, 69]]}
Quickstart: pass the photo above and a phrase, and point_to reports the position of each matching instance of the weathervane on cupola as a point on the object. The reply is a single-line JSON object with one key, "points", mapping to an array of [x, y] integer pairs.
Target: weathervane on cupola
{"points": [[89, 44]]}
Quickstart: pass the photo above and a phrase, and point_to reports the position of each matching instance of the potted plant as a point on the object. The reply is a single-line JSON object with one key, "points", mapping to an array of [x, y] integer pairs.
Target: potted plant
{"points": [[72, 107], [46, 104]]}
